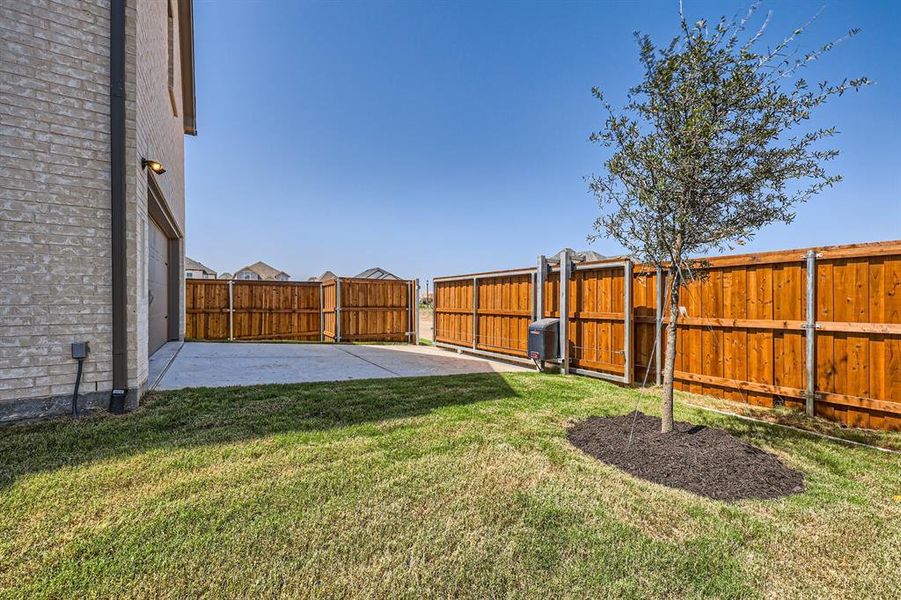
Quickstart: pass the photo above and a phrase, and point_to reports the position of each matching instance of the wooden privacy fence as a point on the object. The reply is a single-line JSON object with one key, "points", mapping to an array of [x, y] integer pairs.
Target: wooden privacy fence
{"points": [[343, 309], [750, 330], [370, 310]]}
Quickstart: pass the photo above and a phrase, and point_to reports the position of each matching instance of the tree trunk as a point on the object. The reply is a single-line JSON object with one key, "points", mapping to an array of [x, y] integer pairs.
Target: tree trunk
{"points": [[669, 360]]}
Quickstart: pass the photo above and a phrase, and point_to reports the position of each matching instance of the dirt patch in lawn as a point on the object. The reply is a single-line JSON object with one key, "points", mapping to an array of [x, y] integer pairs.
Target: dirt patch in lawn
{"points": [[705, 461]]}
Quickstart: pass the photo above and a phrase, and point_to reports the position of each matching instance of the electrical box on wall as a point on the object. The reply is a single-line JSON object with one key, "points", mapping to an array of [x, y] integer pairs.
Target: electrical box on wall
{"points": [[80, 350]]}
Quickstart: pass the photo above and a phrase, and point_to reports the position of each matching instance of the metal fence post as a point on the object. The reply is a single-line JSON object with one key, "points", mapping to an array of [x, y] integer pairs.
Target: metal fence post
{"points": [[434, 307], [411, 307], [629, 374], [658, 344], [231, 311], [811, 327], [475, 311], [416, 309], [337, 309], [532, 298], [321, 312], [408, 330], [540, 277], [565, 267]]}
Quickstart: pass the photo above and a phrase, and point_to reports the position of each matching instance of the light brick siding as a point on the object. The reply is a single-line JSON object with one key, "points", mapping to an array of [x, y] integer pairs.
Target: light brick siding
{"points": [[154, 132], [55, 190]]}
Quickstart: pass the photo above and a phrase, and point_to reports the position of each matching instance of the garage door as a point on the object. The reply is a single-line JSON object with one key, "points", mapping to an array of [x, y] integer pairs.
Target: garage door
{"points": [[158, 288]]}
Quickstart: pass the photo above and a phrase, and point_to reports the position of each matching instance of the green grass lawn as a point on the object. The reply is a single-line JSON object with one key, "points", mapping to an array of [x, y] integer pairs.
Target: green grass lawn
{"points": [[441, 487]]}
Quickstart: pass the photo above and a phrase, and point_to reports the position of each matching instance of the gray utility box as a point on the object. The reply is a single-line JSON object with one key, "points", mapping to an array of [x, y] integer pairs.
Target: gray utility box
{"points": [[544, 339]]}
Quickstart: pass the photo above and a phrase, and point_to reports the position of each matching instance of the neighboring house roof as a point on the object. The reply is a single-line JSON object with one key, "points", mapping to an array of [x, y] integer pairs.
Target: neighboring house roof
{"points": [[376, 273], [327, 276], [193, 265], [225, 275], [264, 271]]}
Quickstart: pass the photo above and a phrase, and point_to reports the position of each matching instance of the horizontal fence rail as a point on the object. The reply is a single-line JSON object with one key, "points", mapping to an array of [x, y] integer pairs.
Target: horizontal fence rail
{"points": [[343, 309], [745, 329]]}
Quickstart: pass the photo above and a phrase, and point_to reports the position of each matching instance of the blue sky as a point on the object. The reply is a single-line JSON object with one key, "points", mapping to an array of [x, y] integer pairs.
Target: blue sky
{"points": [[440, 138]]}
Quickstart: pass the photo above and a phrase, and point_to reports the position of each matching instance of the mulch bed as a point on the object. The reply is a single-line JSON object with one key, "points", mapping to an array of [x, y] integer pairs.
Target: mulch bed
{"points": [[705, 461]]}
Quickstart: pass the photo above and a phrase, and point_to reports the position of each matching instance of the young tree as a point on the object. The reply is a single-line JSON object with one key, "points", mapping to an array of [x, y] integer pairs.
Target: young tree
{"points": [[710, 147]]}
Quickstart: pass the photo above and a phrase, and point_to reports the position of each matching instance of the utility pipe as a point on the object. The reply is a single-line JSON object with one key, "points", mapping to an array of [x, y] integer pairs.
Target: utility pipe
{"points": [[118, 221]]}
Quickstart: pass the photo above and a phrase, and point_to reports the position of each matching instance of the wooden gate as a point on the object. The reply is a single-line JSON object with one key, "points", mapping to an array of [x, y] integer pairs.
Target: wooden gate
{"points": [[599, 327], [218, 309], [490, 313], [346, 309], [486, 312], [384, 310]]}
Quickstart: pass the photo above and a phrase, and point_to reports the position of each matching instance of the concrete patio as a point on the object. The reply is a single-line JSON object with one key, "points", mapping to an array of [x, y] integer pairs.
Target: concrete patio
{"points": [[199, 364]]}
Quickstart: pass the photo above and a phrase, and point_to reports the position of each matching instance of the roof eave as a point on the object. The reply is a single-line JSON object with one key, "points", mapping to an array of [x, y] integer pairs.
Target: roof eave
{"points": [[186, 51]]}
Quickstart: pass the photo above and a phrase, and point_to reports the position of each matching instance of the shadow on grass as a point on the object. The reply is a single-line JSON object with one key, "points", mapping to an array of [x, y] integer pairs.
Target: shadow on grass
{"points": [[198, 416], [774, 418]]}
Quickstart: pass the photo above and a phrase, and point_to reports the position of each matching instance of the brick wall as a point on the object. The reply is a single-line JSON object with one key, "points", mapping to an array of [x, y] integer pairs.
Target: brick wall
{"points": [[158, 133], [54, 196], [54, 192]]}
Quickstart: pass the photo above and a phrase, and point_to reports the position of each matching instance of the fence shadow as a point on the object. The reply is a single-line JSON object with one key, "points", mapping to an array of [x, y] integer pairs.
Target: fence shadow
{"points": [[208, 416]]}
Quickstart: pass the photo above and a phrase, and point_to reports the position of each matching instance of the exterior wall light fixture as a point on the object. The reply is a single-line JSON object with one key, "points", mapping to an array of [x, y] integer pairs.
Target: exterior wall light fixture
{"points": [[154, 165]]}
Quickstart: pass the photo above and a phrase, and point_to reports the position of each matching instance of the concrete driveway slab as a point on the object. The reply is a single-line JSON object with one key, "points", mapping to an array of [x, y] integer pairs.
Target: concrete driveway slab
{"points": [[201, 364]]}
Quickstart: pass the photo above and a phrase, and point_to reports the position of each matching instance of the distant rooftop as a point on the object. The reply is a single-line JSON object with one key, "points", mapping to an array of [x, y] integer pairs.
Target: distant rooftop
{"points": [[376, 273], [193, 265], [265, 271], [326, 276]]}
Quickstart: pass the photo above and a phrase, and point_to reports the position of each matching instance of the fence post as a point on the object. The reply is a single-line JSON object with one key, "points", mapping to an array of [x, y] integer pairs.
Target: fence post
{"points": [[231, 311], [532, 298], [321, 313], [539, 287], [434, 310], [811, 327], [658, 344], [629, 375], [410, 333], [475, 311], [416, 310], [408, 329], [564, 310], [337, 309]]}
